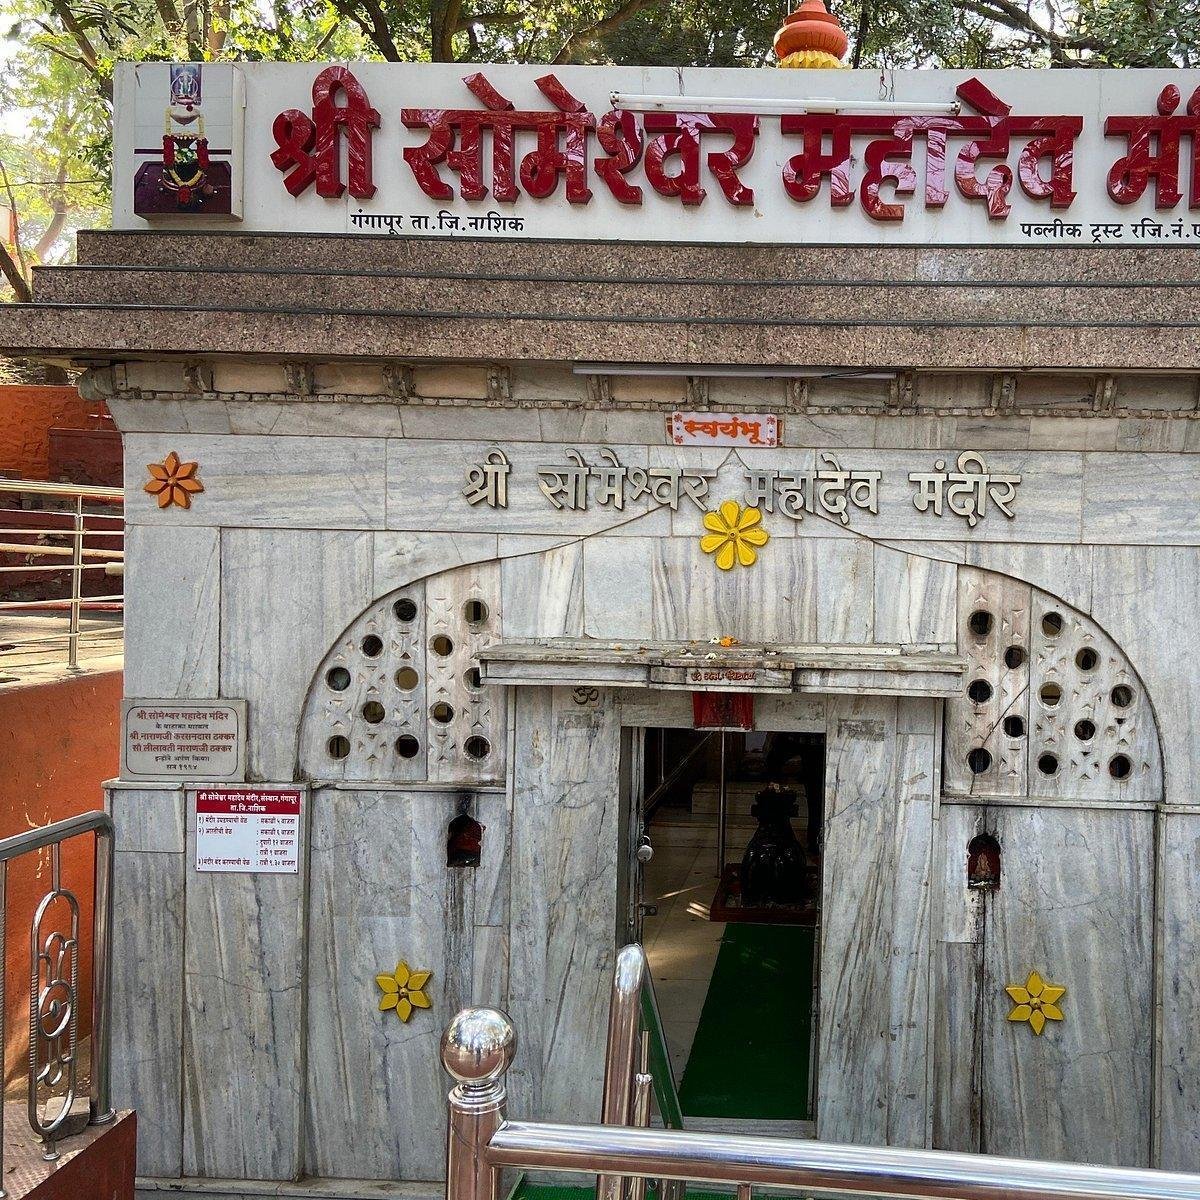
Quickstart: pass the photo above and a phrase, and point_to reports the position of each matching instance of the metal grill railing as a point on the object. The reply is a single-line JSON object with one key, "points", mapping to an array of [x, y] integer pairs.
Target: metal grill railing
{"points": [[53, 985], [54, 542]]}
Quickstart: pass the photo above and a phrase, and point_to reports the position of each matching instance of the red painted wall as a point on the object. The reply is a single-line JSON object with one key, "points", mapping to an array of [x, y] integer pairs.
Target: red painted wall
{"points": [[58, 743]]}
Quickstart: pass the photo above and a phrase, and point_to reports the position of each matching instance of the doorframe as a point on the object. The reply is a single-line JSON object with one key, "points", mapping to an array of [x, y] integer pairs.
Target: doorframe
{"points": [[671, 708]]}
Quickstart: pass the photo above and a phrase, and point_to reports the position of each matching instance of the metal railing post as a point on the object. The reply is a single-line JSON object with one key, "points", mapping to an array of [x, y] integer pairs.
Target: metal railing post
{"points": [[722, 815], [100, 1109], [477, 1049], [76, 585], [620, 1062]]}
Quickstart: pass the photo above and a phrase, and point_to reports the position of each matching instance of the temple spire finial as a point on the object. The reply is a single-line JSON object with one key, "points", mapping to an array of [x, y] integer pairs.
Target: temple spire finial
{"points": [[811, 37]]}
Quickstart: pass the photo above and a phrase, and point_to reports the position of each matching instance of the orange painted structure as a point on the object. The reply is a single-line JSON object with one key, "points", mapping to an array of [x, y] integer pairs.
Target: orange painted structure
{"points": [[53, 433], [58, 742]]}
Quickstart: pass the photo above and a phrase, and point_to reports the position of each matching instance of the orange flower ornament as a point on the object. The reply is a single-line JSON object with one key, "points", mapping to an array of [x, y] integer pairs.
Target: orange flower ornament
{"points": [[173, 482]]}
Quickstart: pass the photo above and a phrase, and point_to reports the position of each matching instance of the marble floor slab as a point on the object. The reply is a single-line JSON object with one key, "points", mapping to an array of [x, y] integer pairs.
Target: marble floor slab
{"points": [[681, 943]]}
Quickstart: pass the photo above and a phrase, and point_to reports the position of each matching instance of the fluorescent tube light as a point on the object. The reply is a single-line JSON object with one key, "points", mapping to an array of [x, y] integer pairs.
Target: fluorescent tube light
{"points": [[632, 102]]}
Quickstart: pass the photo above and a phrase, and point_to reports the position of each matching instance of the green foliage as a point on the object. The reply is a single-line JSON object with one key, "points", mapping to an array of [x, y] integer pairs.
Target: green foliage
{"points": [[711, 33]]}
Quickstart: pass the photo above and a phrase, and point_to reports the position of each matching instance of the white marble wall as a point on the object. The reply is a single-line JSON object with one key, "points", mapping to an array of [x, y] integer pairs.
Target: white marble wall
{"points": [[881, 783], [246, 593], [149, 884], [1176, 1128], [563, 899], [285, 596], [957, 984], [1076, 904], [381, 892], [243, 1018], [172, 612]]}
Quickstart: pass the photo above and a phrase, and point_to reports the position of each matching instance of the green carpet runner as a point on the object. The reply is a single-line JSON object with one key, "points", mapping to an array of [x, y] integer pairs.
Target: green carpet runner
{"points": [[751, 1054]]}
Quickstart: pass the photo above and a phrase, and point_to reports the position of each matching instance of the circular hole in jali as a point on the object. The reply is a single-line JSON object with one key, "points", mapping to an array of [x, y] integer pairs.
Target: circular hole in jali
{"points": [[1119, 766], [477, 747], [1085, 730], [373, 712], [475, 612], [1014, 657], [473, 679], [980, 691], [980, 622], [1050, 694], [407, 746], [1014, 727], [338, 678], [442, 712], [372, 645], [1122, 695], [405, 609], [407, 679], [978, 760], [441, 645], [1087, 659], [1048, 764], [338, 746], [1052, 624]]}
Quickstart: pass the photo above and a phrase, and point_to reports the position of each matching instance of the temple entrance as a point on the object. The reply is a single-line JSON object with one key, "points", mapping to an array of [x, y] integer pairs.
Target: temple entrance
{"points": [[726, 831]]}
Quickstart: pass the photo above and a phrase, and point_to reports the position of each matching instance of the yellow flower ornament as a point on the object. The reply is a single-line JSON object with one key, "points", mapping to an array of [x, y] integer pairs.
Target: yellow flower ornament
{"points": [[734, 536], [1036, 1002], [403, 991]]}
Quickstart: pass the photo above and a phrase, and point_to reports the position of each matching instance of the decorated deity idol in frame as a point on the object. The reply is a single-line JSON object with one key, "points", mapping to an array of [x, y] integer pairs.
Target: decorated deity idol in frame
{"points": [[191, 169]]}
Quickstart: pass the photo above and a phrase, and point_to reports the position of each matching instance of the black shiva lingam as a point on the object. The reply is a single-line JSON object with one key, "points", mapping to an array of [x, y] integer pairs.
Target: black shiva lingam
{"points": [[774, 867]]}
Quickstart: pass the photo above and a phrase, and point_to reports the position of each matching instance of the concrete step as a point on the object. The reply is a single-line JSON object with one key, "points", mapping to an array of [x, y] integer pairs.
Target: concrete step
{"points": [[458, 293], [668, 263]]}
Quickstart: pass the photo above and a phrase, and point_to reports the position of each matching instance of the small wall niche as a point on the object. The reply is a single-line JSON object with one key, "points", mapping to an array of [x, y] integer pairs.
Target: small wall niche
{"points": [[464, 840], [983, 863]]}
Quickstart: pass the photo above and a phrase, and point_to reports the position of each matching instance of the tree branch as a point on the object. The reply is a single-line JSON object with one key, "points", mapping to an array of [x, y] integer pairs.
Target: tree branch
{"points": [[13, 274], [168, 14], [614, 21], [1012, 16], [373, 24], [864, 24], [444, 19], [488, 18], [16, 269], [191, 25], [58, 218], [90, 58], [218, 27]]}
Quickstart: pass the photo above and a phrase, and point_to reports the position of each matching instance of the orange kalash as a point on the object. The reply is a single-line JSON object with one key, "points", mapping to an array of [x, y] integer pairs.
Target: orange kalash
{"points": [[811, 37]]}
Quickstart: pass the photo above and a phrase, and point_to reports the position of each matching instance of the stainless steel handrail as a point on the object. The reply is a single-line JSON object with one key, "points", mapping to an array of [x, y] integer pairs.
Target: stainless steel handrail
{"points": [[822, 1166], [111, 562], [478, 1048], [57, 1000], [624, 1063], [621, 1051]]}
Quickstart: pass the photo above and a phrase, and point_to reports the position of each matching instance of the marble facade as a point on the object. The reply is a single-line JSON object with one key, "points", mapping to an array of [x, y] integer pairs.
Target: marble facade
{"points": [[266, 1057]]}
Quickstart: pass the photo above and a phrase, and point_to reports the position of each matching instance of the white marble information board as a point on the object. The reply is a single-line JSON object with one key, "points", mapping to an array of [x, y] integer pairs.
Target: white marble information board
{"points": [[183, 739]]}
